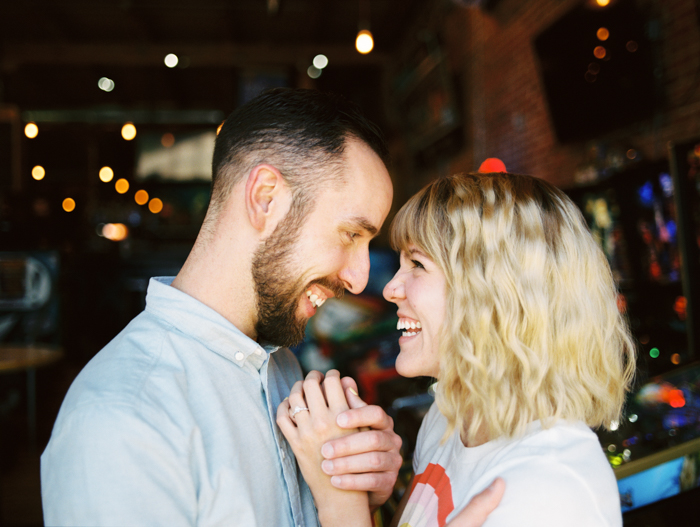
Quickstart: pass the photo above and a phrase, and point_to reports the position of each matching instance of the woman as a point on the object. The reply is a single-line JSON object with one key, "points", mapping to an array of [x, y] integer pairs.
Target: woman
{"points": [[506, 299]]}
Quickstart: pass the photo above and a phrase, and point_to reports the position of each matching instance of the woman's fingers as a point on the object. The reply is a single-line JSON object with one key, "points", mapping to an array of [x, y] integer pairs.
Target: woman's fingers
{"points": [[284, 421], [297, 400], [313, 394]]}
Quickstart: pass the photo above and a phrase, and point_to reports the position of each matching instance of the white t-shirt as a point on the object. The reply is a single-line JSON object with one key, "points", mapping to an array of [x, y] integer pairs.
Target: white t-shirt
{"points": [[554, 477]]}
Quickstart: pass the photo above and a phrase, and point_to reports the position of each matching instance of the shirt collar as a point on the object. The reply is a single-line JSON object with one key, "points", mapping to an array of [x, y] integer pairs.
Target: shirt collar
{"points": [[202, 323]]}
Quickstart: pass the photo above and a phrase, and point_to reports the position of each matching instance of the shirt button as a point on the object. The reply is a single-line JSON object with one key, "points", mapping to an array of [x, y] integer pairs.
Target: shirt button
{"points": [[240, 356], [258, 351]]}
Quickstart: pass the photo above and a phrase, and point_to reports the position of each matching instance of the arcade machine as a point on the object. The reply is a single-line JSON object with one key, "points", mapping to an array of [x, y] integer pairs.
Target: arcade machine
{"points": [[647, 221]]}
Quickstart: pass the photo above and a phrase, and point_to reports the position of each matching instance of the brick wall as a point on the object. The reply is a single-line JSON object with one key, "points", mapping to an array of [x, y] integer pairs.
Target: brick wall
{"points": [[504, 105]]}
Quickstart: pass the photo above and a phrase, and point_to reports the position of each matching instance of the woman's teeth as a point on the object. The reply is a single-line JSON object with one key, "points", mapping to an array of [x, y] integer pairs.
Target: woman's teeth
{"points": [[316, 301], [409, 325]]}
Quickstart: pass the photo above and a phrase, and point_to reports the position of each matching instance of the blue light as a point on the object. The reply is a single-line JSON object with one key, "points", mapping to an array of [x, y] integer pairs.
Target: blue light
{"points": [[646, 194]]}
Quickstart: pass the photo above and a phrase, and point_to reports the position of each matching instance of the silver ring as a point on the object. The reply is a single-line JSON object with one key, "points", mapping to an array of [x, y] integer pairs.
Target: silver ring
{"points": [[298, 409]]}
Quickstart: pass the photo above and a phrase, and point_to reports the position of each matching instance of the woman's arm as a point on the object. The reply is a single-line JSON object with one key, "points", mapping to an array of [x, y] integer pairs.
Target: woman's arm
{"points": [[306, 433]]}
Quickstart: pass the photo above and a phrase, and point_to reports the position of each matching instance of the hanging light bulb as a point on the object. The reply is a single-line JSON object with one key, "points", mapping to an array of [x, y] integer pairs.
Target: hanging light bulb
{"points": [[364, 43]]}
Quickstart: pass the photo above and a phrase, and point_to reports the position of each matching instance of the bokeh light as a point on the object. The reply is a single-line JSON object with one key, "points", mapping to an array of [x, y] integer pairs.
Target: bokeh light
{"points": [[599, 52], [105, 84], [122, 186], [171, 60], [106, 174], [167, 140], [632, 46], [38, 172], [364, 43], [68, 204], [31, 130], [320, 61], [218, 129], [128, 131], [602, 3], [602, 33], [115, 231], [654, 353], [155, 205], [313, 72], [141, 197], [676, 358], [492, 164]]}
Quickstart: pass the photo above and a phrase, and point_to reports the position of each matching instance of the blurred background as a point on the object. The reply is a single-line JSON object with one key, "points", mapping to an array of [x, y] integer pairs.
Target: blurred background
{"points": [[108, 115]]}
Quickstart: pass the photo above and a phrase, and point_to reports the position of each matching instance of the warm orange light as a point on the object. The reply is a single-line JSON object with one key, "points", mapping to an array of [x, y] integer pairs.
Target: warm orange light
{"points": [[599, 52], [128, 131], [167, 140], [602, 3], [141, 197], [680, 306], [364, 43], [155, 205], [69, 204], [115, 231], [676, 358], [492, 164], [632, 46], [676, 399], [621, 303], [122, 186], [31, 130], [602, 33], [106, 174], [219, 128], [38, 172]]}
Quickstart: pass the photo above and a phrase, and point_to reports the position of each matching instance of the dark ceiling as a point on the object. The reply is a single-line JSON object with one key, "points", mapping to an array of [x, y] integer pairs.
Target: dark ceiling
{"points": [[53, 52]]}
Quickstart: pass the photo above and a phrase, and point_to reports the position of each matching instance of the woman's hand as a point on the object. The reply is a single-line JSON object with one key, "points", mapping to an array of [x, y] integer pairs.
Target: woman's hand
{"points": [[306, 431]]}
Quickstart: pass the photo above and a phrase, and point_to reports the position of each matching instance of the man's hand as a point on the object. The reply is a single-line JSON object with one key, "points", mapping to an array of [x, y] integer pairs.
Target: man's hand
{"points": [[481, 505], [368, 460]]}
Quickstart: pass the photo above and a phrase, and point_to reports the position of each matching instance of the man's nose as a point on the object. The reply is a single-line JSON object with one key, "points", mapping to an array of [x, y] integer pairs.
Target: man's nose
{"points": [[355, 274]]}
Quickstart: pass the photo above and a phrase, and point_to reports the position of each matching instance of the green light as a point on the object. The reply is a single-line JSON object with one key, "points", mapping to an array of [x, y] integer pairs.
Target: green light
{"points": [[654, 353]]}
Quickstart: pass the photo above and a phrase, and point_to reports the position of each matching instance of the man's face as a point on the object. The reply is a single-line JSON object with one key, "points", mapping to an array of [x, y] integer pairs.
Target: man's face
{"points": [[312, 257]]}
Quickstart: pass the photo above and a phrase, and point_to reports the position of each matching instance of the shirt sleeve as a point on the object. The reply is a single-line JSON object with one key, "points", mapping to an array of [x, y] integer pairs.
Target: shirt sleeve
{"points": [[548, 494], [108, 465]]}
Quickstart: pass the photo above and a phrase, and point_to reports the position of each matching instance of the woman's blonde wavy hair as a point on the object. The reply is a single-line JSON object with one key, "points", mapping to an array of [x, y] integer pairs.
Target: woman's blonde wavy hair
{"points": [[532, 327]]}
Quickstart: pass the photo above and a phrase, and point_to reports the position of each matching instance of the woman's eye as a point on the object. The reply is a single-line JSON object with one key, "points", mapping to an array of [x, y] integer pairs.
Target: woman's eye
{"points": [[417, 264]]}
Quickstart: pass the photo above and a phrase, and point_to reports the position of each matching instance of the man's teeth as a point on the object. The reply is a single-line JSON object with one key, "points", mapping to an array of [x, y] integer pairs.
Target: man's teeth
{"points": [[316, 301]]}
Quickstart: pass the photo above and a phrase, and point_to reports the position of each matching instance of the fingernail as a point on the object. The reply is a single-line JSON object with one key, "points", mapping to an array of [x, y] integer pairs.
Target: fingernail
{"points": [[352, 391], [286, 398], [335, 481], [327, 467], [342, 420], [327, 451]]}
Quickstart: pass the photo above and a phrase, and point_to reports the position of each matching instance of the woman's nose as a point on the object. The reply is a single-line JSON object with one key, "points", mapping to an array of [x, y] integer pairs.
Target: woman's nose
{"points": [[393, 291]]}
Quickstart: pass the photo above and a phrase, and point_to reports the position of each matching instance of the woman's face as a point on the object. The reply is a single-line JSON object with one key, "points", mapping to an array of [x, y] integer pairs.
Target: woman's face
{"points": [[418, 289]]}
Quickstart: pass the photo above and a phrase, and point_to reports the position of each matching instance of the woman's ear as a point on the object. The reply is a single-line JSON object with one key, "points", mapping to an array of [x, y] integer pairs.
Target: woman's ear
{"points": [[266, 197]]}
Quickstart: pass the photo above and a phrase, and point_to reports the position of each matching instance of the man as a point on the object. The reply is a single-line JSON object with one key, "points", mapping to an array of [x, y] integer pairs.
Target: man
{"points": [[173, 422]]}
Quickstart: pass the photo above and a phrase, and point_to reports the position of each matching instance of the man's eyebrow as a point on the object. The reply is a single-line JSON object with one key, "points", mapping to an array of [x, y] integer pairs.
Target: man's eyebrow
{"points": [[364, 223]]}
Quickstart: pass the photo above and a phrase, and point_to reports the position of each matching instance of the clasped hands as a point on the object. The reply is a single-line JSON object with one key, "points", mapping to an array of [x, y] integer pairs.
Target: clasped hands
{"points": [[349, 454], [340, 439]]}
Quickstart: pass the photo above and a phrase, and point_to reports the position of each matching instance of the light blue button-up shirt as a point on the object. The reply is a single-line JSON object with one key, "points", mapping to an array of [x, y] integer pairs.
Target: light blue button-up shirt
{"points": [[173, 423]]}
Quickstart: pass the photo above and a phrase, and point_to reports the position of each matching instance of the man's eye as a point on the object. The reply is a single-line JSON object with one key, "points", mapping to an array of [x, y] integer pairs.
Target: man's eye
{"points": [[353, 235]]}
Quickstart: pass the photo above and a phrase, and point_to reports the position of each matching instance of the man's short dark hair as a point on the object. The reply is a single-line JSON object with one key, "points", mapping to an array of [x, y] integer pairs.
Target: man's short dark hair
{"points": [[302, 133]]}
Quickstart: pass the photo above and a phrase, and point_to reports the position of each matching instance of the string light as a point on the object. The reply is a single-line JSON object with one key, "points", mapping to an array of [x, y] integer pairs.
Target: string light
{"points": [[38, 172], [31, 130], [364, 43], [69, 204], [122, 186], [106, 174], [128, 131]]}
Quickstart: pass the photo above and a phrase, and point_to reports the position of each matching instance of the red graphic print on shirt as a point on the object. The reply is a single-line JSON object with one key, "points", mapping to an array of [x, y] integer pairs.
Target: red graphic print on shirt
{"points": [[430, 501]]}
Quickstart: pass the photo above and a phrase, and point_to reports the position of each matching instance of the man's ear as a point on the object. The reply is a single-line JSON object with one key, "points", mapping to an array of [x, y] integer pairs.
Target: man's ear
{"points": [[265, 196]]}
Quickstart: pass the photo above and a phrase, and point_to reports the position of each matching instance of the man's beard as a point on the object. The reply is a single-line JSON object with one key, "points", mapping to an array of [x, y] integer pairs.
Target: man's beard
{"points": [[277, 292]]}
